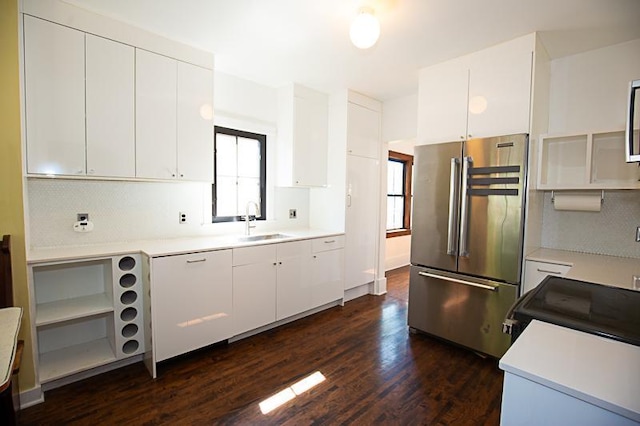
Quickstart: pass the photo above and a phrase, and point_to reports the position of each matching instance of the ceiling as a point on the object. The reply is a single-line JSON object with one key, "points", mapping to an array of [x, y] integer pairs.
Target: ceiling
{"points": [[273, 42]]}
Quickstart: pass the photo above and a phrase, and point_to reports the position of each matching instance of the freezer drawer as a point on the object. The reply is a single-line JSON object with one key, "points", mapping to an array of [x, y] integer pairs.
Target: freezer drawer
{"points": [[461, 309]]}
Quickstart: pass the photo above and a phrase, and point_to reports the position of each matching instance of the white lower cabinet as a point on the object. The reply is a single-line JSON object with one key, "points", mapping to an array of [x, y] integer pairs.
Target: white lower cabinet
{"points": [[535, 272], [294, 279], [327, 270], [88, 313], [191, 298]]}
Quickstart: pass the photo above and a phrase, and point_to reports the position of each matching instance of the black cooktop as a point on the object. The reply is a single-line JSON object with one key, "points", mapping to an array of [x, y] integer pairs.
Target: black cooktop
{"points": [[593, 308]]}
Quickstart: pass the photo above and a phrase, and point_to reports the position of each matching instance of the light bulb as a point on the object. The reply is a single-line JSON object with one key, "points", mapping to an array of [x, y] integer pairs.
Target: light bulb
{"points": [[365, 30]]}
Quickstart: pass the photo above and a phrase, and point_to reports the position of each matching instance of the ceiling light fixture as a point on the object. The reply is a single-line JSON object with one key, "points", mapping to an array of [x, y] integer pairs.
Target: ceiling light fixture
{"points": [[365, 29]]}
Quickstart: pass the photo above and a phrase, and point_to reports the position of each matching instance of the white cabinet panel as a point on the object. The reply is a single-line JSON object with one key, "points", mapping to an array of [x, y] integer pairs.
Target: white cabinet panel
{"points": [[501, 77], [361, 227], [442, 100], [54, 98], [156, 87], [195, 123], [192, 301], [254, 296], [363, 131], [535, 272], [110, 72], [293, 279], [327, 277]]}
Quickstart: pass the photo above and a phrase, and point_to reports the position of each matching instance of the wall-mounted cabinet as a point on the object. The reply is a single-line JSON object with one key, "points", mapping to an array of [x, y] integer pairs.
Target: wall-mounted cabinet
{"points": [[99, 108], [87, 314], [586, 161], [486, 93], [302, 137]]}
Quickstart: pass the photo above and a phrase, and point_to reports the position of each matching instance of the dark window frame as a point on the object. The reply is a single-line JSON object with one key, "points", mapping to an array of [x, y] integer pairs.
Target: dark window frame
{"points": [[407, 161], [263, 173]]}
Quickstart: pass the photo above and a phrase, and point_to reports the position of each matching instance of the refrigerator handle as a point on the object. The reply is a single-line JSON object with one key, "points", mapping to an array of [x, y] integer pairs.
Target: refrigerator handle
{"points": [[456, 280], [464, 208], [453, 207]]}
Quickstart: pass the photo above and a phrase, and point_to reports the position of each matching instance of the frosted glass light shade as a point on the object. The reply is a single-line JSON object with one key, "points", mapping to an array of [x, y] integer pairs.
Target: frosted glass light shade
{"points": [[365, 30]]}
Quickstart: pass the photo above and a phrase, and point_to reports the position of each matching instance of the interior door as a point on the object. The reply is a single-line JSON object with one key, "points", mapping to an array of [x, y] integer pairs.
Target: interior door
{"points": [[492, 207], [434, 218]]}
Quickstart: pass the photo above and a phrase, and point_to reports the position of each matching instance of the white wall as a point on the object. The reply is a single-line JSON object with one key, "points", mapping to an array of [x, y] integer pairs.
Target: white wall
{"points": [[128, 211], [399, 128], [589, 93]]}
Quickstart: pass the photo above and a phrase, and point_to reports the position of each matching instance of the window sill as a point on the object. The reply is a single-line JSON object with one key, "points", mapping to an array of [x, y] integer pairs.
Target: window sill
{"points": [[398, 233]]}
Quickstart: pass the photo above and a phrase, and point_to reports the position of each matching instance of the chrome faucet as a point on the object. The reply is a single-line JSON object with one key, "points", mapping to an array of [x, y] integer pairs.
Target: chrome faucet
{"points": [[247, 218]]}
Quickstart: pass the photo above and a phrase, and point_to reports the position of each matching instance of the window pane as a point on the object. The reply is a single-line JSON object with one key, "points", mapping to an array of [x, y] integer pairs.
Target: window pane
{"points": [[248, 157], [226, 195], [395, 212], [395, 177], [248, 190], [226, 155]]}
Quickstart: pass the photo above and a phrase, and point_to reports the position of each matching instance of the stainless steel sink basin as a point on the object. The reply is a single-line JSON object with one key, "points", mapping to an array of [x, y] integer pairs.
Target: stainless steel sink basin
{"points": [[263, 237]]}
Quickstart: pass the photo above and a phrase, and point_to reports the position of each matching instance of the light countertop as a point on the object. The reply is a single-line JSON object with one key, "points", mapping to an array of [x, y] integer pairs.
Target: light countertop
{"points": [[9, 326], [608, 270], [156, 248], [594, 369]]}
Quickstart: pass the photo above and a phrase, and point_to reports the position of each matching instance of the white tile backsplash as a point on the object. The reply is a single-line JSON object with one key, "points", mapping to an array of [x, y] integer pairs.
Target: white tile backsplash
{"points": [[131, 211], [610, 231]]}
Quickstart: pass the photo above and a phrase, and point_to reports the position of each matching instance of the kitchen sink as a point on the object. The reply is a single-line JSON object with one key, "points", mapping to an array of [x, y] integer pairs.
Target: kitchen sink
{"points": [[263, 237]]}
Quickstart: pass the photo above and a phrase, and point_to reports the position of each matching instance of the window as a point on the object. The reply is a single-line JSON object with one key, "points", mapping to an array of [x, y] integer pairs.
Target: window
{"points": [[399, 194], [240, 163]]}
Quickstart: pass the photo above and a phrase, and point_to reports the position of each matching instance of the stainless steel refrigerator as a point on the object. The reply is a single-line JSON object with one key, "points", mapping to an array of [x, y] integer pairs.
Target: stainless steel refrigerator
{"points": [[466, 239]]}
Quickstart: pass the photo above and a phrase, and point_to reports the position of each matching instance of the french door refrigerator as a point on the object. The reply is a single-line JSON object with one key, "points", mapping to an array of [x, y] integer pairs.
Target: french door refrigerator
{"points": [[466, 239]]}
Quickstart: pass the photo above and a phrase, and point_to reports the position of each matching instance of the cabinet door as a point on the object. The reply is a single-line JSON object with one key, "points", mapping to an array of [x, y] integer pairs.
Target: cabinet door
{"points": [[195, 123], [110, 72], [500, 89], [156, 84], [294, 279], [535, 272], [327, 274], [442, 100], [191, 298], [54, 98], [363, 131], [310, 142], [254, 296], [361, 227]]}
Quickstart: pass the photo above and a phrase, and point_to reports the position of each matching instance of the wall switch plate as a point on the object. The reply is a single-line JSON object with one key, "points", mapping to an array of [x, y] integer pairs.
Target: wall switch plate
{"points": [[82, 217], [182, 217], [293, 214]]}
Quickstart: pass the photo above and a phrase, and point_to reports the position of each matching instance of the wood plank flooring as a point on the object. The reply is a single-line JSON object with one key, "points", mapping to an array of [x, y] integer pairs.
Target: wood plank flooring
{"points": [[376, 373]]}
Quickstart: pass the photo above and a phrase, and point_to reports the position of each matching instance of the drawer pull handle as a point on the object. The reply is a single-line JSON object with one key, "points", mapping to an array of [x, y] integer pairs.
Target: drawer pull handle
{"points": [[545, 271], [196, 261], [329, 241]]}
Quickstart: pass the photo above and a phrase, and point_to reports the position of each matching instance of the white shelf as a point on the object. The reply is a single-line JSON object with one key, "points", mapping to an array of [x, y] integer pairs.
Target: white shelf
{"points": [[69, 309], [74, 359]]}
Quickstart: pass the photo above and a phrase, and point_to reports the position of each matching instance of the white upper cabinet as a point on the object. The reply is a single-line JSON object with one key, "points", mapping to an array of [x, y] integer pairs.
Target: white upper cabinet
{"points": [[195, 123], [363, 131], [54, 98], [442, 98], [110, 70], [156, 100], [487, 93], [303, 122]]}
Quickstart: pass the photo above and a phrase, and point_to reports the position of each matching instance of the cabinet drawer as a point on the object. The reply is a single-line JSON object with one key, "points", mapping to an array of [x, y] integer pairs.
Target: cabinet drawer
{"points": [[255, 254], [328, 243], [535, 272]]}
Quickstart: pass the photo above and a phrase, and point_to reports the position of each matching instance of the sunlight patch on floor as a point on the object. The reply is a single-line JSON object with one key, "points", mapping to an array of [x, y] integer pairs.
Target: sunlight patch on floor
{"points": [[291, 392]]}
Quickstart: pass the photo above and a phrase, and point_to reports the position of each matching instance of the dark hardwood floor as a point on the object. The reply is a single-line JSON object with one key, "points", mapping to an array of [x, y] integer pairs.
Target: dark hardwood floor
{"points": [[376, 373]]}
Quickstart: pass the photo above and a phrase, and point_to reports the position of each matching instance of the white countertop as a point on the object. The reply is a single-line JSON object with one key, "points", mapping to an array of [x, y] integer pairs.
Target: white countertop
{"points": [[608, 270], [594, 369], [156, 248], [9, 327]]}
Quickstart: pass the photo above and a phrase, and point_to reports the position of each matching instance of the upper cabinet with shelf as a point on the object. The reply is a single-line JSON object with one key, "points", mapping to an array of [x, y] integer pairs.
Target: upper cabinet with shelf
{"points": [[302, 136], [586, 161], [486, 93], [97, 106]]}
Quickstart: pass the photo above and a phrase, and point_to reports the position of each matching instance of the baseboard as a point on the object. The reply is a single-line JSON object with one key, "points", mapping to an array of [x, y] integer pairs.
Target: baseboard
{"points": [[354, 293], [31, 397], [380, 286]]}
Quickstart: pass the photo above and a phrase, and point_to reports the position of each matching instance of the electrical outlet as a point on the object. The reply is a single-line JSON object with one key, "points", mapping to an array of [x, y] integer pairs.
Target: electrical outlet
{"points": [[293, 213], [182, 217], [82, 217]]}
